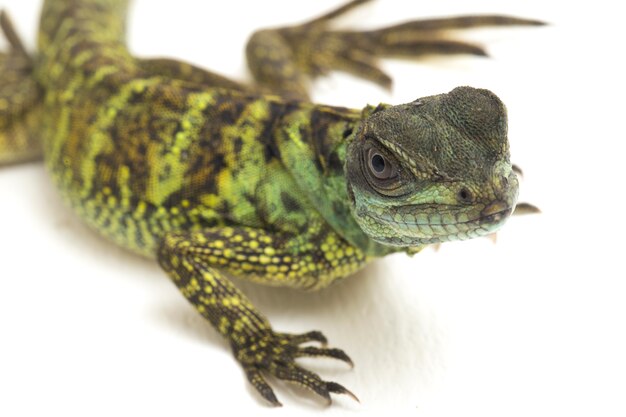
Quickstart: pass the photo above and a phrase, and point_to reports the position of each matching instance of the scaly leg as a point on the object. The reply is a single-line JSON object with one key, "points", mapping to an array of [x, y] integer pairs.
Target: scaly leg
{"points": [[196, 261], [282, 60], [20, 101]]}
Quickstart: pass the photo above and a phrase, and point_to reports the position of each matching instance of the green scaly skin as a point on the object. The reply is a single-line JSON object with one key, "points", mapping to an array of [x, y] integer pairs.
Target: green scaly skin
{"points": [[212, 177]]}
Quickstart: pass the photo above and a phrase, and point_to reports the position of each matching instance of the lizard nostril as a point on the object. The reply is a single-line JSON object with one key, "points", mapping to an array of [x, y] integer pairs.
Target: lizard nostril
{"points": [[504, 181], [464, 195]]}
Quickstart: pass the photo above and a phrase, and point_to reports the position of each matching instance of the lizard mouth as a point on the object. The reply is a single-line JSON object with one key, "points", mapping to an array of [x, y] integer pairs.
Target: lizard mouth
{"points": [[441, 225], [495, 212]]}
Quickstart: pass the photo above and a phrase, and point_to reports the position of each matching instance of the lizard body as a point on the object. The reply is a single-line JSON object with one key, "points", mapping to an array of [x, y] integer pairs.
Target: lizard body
{"points": [[212, 177]]}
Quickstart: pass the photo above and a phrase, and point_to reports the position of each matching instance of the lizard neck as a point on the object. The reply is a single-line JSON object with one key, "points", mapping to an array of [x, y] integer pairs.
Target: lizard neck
{"points": [[313, 141]]}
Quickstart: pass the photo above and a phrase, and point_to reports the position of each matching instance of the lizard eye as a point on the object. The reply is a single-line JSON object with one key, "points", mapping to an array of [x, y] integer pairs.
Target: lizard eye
{"points": [[379, 166]]}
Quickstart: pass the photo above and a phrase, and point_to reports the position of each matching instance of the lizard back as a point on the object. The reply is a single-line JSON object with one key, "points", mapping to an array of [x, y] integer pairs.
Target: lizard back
{"points": [[138, 154]]}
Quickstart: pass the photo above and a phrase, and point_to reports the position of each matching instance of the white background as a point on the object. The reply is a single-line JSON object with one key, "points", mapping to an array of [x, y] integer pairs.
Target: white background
{"points": [[533, 325]]}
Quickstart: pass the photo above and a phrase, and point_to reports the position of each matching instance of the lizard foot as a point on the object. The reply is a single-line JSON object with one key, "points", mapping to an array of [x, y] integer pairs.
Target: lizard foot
{"points": [[275, 353], [319, 50]]}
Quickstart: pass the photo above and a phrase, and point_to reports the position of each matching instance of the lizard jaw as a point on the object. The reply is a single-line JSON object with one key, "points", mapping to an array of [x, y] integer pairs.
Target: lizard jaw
{"points": [[435, 225]]}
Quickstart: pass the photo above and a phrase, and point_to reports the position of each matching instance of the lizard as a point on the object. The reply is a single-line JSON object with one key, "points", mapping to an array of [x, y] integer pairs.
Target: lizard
{"points": [[211, 177]]}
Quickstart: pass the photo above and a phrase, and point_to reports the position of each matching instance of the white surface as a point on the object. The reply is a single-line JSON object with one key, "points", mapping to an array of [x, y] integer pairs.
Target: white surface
{"points": [[534, 325]]}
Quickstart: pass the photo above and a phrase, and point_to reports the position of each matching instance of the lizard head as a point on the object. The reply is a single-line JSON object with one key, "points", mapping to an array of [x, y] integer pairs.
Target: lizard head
{"points": [[433, 170]]}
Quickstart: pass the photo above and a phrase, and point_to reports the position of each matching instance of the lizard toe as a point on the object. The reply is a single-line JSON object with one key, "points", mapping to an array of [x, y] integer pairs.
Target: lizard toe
{"points": [[275, 354], [313, 336], [312, 351]]}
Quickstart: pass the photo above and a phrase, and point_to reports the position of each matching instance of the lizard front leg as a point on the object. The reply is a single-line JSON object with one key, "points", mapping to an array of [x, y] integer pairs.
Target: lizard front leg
{"points": [[196, 261]]}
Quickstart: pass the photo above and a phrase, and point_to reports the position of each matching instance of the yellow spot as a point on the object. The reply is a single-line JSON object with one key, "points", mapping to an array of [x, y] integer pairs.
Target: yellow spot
{"points": [[269, 251], [210, 200], [139, 87], [187, 265], [264, 259], [238, 326], [224, 324], [218, 244], [254, 244], [140, 211]]}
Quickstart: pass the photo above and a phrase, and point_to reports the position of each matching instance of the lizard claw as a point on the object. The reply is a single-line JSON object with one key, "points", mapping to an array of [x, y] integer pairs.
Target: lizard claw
{"points": [[275, 353], [261, 385]]}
